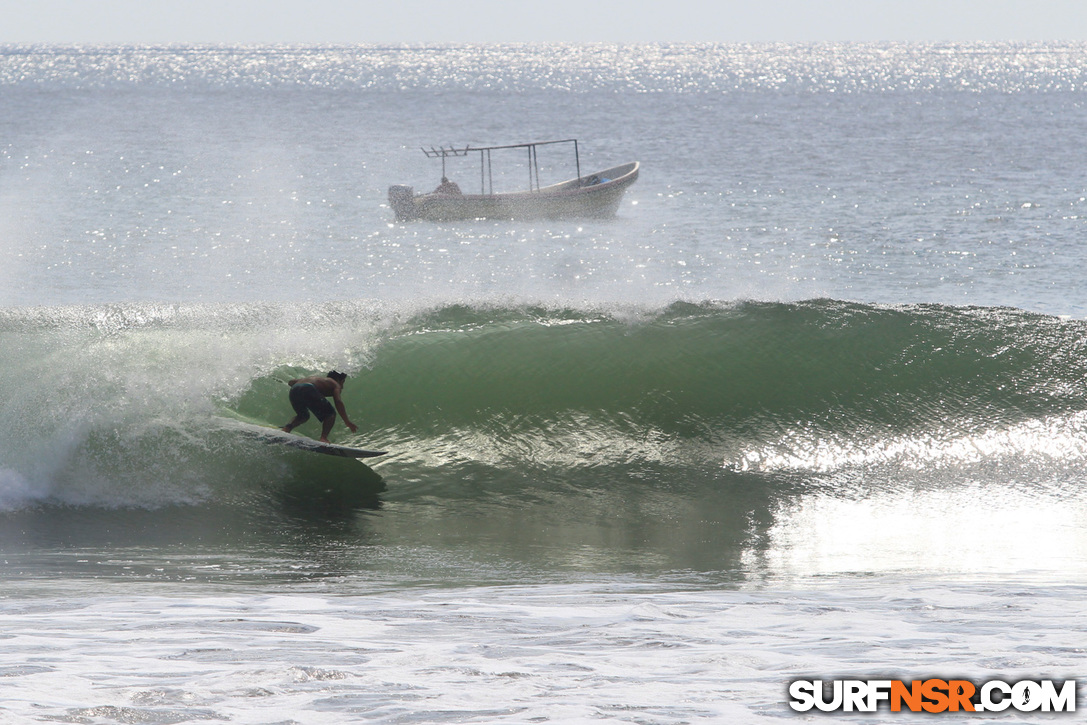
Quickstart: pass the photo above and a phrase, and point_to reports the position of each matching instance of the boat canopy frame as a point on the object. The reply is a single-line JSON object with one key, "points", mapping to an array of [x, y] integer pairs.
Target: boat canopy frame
{"points": [[486, 175]]}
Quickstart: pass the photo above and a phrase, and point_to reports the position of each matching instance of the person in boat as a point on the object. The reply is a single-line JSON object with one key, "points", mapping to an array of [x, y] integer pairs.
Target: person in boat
{"points": [[310, 393], [448, 187]]}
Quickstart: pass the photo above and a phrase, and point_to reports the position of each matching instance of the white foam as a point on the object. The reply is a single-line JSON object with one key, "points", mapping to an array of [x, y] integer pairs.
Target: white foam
{"points": [[556, 653]]}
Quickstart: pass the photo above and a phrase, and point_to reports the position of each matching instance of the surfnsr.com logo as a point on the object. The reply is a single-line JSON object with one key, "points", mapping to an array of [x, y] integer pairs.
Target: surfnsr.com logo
{"points": [[933, 695]]}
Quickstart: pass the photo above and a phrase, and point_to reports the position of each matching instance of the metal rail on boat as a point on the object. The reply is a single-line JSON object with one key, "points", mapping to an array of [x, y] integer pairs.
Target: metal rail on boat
{"points": [[486, 175]]}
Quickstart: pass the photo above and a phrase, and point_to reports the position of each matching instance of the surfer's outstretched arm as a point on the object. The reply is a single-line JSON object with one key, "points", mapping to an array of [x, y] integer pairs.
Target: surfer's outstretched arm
{"points": [[343, 411]]}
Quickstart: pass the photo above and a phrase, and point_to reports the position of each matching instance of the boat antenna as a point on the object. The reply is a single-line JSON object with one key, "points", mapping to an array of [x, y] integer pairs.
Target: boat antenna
{"points": [[444, 153]]}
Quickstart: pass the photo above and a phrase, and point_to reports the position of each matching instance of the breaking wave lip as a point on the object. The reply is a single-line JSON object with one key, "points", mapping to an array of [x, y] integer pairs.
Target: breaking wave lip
{"points": [[691, 389]]}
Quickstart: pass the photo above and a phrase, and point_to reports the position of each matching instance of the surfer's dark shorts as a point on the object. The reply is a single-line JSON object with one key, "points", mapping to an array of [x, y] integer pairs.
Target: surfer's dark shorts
{"points": [[305, 397]]}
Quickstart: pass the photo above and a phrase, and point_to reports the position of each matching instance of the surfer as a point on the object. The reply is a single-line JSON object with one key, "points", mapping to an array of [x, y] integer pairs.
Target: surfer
{"points": [[308, 394]]}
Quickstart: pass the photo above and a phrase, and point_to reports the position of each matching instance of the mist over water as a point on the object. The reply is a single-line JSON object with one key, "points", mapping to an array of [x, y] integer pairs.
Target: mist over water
{"points": [[897, 174]]}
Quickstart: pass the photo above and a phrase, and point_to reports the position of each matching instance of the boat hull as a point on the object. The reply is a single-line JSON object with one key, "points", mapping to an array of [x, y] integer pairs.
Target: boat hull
{"points": [[595, 196]]}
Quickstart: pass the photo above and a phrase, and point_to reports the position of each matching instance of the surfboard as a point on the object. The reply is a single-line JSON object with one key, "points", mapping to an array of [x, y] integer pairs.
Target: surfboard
{"points": [[275, 435]]}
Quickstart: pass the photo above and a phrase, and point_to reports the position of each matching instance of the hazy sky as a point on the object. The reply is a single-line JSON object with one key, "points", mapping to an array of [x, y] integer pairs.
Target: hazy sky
{"points": [[419, 21]]}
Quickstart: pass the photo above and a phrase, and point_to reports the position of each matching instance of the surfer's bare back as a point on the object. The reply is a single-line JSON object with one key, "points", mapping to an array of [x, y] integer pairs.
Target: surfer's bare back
{"points": [[308, 394]]}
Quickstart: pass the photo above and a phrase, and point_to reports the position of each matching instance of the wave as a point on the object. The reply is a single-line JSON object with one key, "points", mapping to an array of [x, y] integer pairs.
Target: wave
{"points": [[117, 406]]}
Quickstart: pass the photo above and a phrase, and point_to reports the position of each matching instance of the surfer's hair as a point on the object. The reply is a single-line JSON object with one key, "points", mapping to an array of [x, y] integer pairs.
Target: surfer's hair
{"points": [[338, 377]]}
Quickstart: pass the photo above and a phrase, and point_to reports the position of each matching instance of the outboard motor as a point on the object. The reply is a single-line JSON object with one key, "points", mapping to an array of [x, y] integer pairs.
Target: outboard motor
{"points": [[402, 200]]}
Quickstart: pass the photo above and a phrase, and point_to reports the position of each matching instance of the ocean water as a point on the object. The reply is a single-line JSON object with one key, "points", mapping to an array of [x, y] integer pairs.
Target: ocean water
{"points": [[812, 406]]}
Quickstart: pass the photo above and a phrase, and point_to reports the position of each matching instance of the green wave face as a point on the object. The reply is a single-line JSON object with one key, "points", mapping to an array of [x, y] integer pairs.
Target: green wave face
{"points": [[117, 406], [701, 387]]}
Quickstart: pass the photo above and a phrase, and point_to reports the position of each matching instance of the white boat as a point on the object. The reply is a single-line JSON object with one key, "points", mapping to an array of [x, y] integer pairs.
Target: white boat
{"points": [[595, 195]]}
